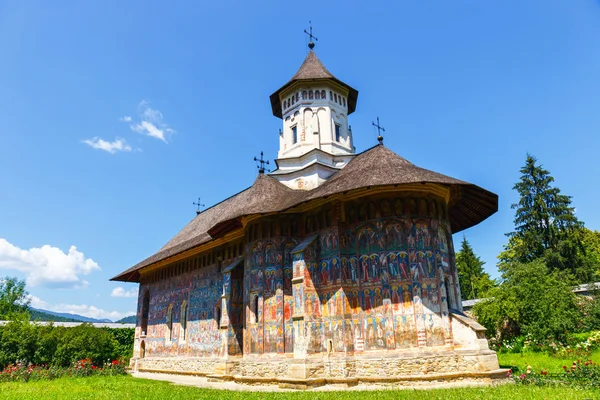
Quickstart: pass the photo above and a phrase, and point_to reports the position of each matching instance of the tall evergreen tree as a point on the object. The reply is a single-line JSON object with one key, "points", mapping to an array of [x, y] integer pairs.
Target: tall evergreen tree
{"points": [[474, 282], [545, 223]]}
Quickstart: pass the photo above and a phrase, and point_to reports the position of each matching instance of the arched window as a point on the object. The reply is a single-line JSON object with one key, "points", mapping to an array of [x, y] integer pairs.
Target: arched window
{"points": [[145, 311], [335, 97], [169, 323], [255, 308], [323, 96], [304, 95], [344, 101], [297, 97], [310, 95], [218, 316], [143, 349], [330, 95], [317, 95], [294, 134], [183, 321]]}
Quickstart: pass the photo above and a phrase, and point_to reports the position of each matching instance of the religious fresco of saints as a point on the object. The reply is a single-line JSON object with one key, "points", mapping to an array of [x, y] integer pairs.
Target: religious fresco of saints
{"points": [[353, 269]]}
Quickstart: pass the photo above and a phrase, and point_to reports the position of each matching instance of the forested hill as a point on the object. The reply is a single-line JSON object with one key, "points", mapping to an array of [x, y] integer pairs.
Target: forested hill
{"points": [[36, 315], [127, 320]]}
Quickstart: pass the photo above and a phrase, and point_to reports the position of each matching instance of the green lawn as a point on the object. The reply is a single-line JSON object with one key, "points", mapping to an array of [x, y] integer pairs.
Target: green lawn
{"points": [[539, 361], [126, 387]]}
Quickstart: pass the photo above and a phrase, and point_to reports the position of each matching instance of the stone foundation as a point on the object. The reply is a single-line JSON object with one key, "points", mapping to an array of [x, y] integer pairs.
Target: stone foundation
{"points": [[403, 369], [466, 358]]}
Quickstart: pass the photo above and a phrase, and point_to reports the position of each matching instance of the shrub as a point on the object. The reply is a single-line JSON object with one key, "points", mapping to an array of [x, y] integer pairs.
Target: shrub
{"points": [[21, 342]]}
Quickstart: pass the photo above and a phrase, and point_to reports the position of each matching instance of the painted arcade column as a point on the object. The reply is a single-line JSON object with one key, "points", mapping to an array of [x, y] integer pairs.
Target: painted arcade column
{"points": [[301, 255], [224, 321]]}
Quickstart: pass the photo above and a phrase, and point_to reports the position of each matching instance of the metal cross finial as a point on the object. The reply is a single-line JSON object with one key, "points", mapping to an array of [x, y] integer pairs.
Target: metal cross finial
{"points": [[262, 162], [311, 44], [198, 204], [379, 129]]}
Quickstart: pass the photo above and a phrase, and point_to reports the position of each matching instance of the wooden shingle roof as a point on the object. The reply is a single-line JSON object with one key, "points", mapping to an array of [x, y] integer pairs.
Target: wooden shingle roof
{"points": [[378, 166], [312, 69]]}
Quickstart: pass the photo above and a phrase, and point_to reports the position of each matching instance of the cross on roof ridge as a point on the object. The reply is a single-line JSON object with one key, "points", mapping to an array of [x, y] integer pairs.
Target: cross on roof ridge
{"points": [[262, 162]]}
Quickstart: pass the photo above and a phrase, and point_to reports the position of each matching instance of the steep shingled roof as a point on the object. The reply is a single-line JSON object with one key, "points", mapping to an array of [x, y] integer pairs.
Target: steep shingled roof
{"points": [[378, 166], [312, 69], [264, 196]]}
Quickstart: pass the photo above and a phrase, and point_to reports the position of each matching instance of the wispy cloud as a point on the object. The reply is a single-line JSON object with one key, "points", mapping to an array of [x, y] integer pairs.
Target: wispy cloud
{"points": [[151, 123], [112, 147], [120, 292], [48, 266], [126, 118]]}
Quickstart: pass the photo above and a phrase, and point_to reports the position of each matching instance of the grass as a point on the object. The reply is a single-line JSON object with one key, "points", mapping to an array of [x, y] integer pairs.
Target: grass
{"points": [[127, 387], [539, 361]]}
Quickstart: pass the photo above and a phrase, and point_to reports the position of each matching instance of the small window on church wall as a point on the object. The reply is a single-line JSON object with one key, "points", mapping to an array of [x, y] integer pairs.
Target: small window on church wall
{"points": [[338, 128], [304, 95], [323, 96], [310, 95], [344, 101], [183, 321], [297, 97], [169, 323], [294, 134], [317, 95], [330, 95], [254, 310], [335, 97]]}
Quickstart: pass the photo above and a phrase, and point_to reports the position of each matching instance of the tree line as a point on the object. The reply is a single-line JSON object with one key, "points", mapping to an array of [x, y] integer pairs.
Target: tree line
{"points": [[549, 252]]}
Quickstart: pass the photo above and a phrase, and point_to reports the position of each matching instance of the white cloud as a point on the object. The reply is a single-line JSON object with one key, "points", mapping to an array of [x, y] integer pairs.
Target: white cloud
{"points": [[125, 118], [36, 302], [48, 266], [120, 292], [90, 311], [112, 147], [151, 123]]}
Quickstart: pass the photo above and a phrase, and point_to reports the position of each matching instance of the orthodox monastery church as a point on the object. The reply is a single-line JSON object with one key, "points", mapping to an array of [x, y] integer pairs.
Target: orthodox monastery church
{"points": [[336, 267]]}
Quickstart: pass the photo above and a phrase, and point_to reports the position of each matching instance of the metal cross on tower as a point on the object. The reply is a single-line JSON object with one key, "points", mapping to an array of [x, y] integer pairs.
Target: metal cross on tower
{"points": [[198, 204], [311, 44], [379, 129], [262, 162]]}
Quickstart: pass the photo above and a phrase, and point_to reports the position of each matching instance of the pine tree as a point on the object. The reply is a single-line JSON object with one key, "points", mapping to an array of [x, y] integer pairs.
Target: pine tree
{"points": [[474, 282], [545, 222]]}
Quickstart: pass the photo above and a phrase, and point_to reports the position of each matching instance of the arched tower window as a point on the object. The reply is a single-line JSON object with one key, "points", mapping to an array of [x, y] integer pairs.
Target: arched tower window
{"points": [[294, 134], [145, 312], [304, 95], [344, 101], [323, 96], [310, 95], [317, 95]]}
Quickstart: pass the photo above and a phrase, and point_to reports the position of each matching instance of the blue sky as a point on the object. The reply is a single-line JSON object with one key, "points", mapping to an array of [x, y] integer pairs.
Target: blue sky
{"points": [[464, 88]]}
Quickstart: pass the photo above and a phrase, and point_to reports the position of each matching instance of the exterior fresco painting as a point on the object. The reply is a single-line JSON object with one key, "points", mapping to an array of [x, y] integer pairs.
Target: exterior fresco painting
{"points": [[378, 285]]}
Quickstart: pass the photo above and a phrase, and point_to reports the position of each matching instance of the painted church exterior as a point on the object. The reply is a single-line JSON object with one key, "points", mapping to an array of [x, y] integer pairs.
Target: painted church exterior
{"points": [[334, 268]]}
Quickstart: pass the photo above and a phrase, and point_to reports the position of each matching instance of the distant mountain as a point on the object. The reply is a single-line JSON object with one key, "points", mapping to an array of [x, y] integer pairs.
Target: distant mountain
{"points": [[70, 317], [36, 315], [132, 319]]}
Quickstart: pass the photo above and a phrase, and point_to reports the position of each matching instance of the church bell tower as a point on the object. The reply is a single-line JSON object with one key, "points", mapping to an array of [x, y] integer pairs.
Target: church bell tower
{"points": [[315, 140]]}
